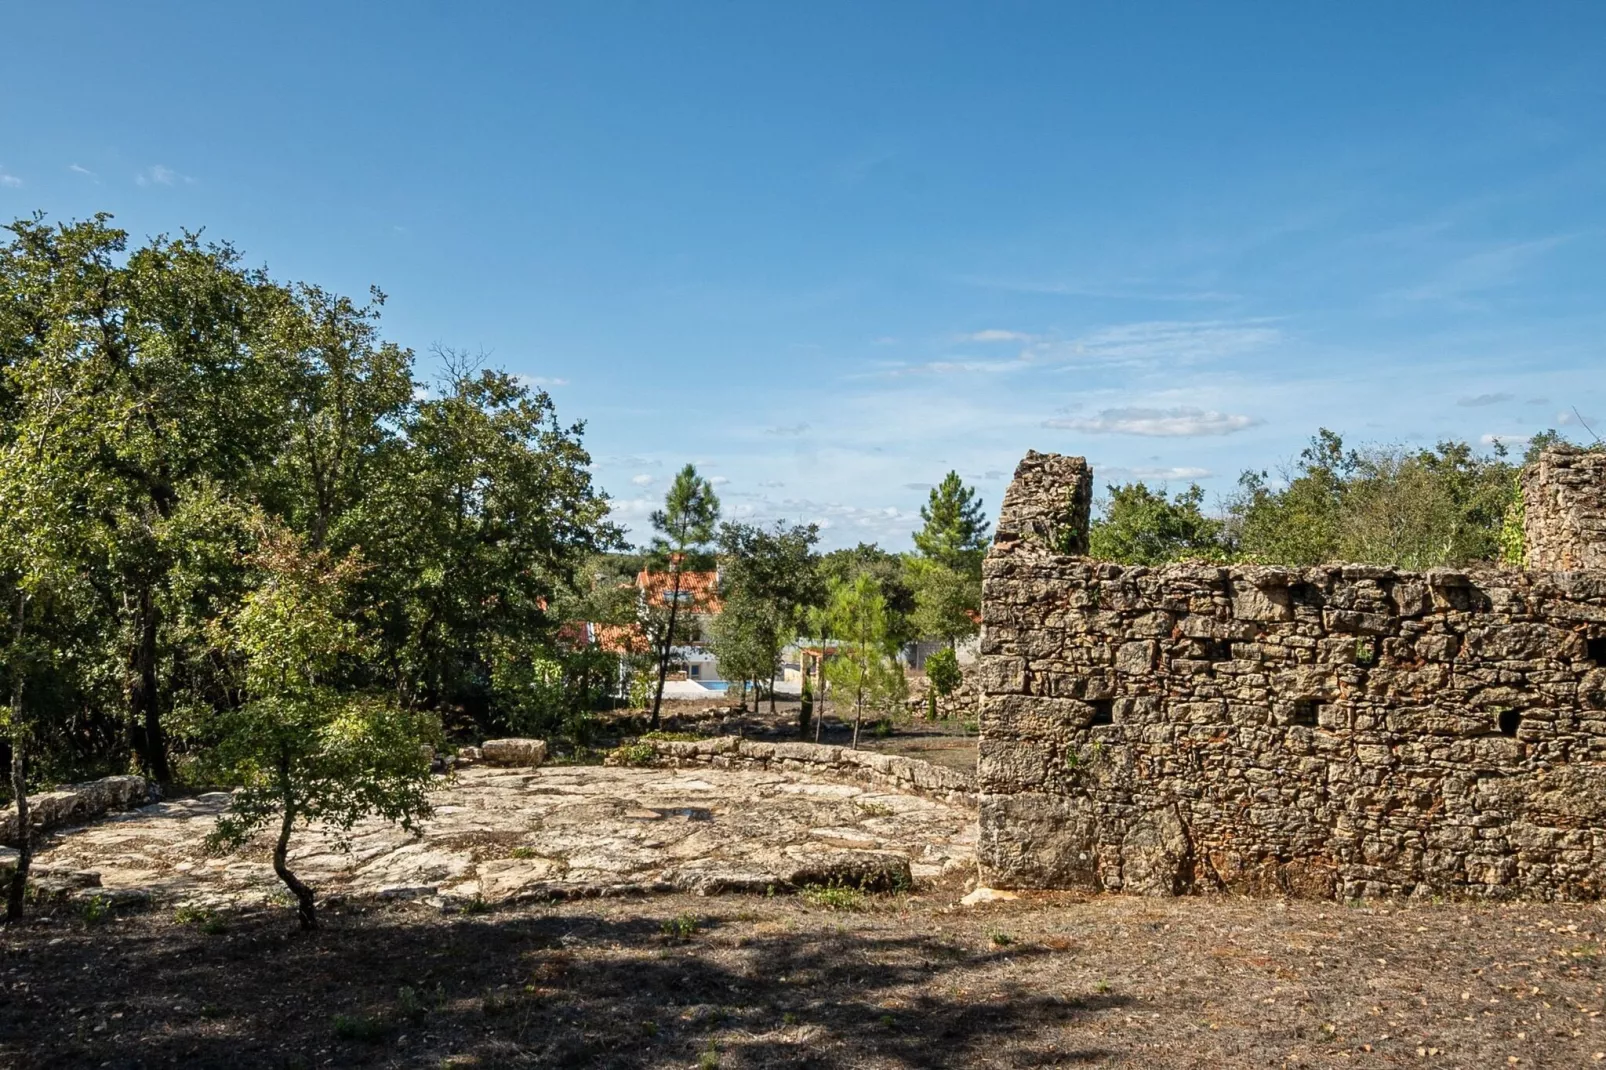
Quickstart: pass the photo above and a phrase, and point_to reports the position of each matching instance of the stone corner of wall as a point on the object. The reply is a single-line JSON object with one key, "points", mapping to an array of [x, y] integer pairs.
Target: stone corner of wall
{"points": [[1048, 503]]}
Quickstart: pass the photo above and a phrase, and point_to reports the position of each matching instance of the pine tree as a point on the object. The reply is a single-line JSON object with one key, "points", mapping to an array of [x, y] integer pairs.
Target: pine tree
{"points": [[955, 533]]}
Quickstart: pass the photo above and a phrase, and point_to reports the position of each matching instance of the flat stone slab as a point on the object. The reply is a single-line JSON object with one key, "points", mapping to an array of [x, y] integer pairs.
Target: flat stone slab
{"points": [[506, 835]]}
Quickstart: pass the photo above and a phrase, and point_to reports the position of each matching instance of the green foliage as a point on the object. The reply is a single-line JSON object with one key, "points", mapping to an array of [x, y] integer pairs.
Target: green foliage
{"points": [[1140, 526], [947, 600], [1381, 505], [1513, 540], [955, 531], [891, 575], [301, 747], [942, 669], [769, 578], [863, 667], [685, 528], [834, 896], [680, 927], [632, 754]]}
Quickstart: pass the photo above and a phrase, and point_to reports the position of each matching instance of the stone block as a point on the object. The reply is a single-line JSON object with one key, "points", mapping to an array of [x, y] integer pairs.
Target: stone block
{"points": [[514, 752]]}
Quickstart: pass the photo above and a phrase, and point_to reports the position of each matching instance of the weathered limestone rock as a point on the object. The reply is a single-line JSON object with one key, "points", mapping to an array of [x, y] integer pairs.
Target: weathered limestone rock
{"points": [[77, 803], [521, 752], [523, 835], [1341, 730], [1564, 510]]}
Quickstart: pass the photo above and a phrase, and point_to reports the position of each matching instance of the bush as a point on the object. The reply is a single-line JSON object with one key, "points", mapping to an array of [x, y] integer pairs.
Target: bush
{"points": [[942, 669]]}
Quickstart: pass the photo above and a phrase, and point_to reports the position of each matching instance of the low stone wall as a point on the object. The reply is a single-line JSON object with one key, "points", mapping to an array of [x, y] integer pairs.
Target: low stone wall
{"points": [[911, 775], [76, 804], [1337, 731]]}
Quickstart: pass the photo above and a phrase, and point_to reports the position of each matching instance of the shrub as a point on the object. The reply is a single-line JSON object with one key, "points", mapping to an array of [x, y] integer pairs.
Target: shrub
{"points": [[942, 669]]}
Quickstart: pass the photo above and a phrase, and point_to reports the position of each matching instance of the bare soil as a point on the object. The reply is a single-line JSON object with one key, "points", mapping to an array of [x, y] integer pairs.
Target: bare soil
{"points": [[886, 981]]}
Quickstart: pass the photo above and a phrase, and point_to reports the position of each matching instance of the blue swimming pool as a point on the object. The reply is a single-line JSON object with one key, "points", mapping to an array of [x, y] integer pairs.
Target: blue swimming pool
{"points": [[715, 685]]}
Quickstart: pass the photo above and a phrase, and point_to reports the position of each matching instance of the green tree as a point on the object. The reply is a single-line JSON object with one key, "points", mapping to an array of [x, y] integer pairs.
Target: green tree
{"points": [[1140, 526], [162, 343], [942, 669], [301, 747], [474, 531], [49, 543], [773, 575], [863, 665], [955, 532], [947, 600], [891, 574], [685, 526], [746, 640]]}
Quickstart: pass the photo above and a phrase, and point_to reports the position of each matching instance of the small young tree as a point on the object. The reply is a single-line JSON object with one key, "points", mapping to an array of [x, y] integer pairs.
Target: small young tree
{"points": [[685, 525], [745, 640], [863, 665], [942, 669], [302, 749], [1143, 527]]}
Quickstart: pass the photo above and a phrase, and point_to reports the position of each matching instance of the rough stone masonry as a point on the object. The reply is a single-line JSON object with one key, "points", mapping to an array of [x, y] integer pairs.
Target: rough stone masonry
{"points": [[1338, 731]]}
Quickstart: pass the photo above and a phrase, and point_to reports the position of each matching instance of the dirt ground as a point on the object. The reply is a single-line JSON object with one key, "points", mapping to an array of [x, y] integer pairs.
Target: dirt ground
{"points": [[889, 981]]}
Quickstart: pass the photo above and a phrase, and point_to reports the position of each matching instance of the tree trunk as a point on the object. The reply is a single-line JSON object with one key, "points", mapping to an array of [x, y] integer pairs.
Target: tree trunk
{"points": [[305, 909], [19, 788], [663, 653], [819, 714], [150, 745], [858, 716]]}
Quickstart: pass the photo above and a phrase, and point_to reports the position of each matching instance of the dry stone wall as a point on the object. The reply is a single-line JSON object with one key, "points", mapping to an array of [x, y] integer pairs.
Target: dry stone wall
{"points": [[1339, 731], [1564, 509]]}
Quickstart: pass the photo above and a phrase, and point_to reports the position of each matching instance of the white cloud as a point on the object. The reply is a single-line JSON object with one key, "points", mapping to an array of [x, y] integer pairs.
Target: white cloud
{"points": [[771, 483], [1167, 340], [78, 169], [995, 335], [1163, 474], [793, 429], [8, 179], [1504, 440], [1573, 416], [643, 480], [1181, 422], [917, 486], [718, 481], [161, 175], [1483, 399], [541, 380]]}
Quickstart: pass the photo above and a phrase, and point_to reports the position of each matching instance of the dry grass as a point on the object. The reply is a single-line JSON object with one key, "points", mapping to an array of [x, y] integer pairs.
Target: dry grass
{"points": [[762, 982]]}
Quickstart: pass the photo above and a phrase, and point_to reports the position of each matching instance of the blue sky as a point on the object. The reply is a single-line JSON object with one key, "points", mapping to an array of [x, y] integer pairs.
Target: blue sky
{"points": [[830, 251]]}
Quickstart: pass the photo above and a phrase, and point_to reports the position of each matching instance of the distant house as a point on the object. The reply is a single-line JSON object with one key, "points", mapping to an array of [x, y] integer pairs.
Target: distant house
{"points": [[698, 600]]}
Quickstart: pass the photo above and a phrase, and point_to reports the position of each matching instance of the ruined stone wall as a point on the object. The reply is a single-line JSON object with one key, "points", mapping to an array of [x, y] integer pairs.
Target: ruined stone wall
{"points": [[1334, 731], [1564, 509]]}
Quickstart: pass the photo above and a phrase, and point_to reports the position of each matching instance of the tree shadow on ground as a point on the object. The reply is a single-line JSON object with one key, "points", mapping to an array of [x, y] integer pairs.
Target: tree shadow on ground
{"points": [[392, 988]]}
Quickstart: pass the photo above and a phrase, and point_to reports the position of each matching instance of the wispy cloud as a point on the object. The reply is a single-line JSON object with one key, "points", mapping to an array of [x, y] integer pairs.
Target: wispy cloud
{"points": [[1477, 400], [996, 335], [541, 380], [161, 175], [79, 169], [917, 486], [1180, 422], [1162, 474], [1478, 272], [790, 430], [1573, 417], [1494, 439], [1169, 340], [8, 179], [644, 480], [718, 481], [1129, 291]]}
